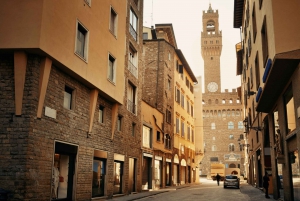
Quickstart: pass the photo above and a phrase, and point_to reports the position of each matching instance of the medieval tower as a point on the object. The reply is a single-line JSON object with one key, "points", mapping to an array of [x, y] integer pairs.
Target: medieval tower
{"points": [[222, 111]]}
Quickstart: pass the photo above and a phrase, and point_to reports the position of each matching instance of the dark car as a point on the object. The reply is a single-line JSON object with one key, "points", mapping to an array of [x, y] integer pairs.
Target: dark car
{"points": [[231, 181]]}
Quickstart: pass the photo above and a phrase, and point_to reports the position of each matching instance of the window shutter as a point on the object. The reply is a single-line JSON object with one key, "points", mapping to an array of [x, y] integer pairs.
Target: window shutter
{"points": [[181, 69]]}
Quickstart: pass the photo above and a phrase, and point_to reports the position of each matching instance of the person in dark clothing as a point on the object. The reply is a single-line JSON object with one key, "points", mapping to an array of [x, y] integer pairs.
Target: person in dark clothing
{"points": [[218, 177], [266, 184]]}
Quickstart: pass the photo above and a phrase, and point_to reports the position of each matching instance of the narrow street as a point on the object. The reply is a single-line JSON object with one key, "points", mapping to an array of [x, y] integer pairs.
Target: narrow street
{"points": [[207, 190]]}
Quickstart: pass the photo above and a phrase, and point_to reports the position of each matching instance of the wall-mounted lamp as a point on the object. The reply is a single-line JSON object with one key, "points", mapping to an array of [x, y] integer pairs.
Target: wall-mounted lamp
{"points": [[256, 128]]}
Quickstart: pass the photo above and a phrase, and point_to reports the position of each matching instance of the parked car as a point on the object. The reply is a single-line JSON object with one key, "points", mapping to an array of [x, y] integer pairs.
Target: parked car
{"points": [[231, 181]]}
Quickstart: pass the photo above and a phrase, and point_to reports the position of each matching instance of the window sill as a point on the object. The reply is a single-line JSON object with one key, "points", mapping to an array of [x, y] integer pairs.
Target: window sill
{"points": [[82, 58], [112, 33], [112, 82]]}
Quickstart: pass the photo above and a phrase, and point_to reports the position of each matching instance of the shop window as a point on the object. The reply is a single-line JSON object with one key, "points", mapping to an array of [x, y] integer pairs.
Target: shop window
{"points": [[99, 172], [62, 171], [118, 177]]}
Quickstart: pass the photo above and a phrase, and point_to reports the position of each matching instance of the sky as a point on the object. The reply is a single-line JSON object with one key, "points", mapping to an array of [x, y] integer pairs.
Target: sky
{"points": [[186, 18]]}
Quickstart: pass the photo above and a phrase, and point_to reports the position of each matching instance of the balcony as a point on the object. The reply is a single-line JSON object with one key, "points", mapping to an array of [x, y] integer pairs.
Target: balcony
{"points": [[133, 69], [131, 106], [133, 32]]}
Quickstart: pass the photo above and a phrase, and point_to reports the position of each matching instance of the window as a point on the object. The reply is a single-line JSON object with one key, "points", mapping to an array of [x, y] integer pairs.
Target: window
{"points": [[230, 125], [81, 41], [68, 98], [214, 159], [145, 36], [191, 88], [289, 110], [133, 25], [231, 147], [264, 41], [147, 137], [189, 132], [223, 101], [119, 123], [131, 98], [99, 171], [182, 129], [167, 141], [133, 60], [193, 137], [177, 125], [133, 125], [182, 100], [257, 74], [251, 77], [169, 56], [188, 106], [169, 84], [168, 116], [260, 3], [213, 126], [101, 114], [214, 138], [240, 125], [254, 27], [192, 111], [214, 148], [182, 149], [158, 136], [231, 137], [113, 22], [177, 96], [111, 68], [88, 2], [187, 82]]}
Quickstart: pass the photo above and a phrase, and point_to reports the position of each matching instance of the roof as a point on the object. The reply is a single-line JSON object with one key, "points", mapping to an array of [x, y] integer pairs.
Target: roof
{"points": [[186, 65], [167, 28]]}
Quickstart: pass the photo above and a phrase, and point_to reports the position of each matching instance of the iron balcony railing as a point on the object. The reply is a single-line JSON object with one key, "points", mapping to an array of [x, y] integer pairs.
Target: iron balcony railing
{"points": [[132, 68], [131, 106], [133, 32]]}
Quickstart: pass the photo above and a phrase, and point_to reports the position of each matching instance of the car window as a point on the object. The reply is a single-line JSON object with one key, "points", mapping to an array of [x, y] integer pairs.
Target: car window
{"points": [[231, 177]]}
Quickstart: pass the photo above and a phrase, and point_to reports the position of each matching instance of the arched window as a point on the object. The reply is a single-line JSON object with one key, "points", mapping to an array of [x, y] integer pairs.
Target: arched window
{"points": [[213, 126], [232, 166], [219, 113], [203, 102], [233, 113], [215, 113], [216, 101], [238, 113], [231, 137], [230, 125], [231, 147], [203, 113], [228, 113], [240, 125], [211, 113], [214, 148], [209, 101], [223, 113], [223, 101], [238, 100]]}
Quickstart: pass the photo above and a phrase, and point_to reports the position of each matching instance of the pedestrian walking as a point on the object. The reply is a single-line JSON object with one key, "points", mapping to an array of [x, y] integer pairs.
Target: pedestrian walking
{"points": [[218, 177], [266, 184]]}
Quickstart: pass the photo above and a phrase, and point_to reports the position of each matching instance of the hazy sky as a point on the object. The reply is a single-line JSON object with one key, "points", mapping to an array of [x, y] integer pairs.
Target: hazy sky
{"points": [[186, 18]]}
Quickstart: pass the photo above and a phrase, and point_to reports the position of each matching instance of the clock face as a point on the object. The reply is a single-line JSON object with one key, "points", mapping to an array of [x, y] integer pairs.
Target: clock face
{"points": [[212, 87]]}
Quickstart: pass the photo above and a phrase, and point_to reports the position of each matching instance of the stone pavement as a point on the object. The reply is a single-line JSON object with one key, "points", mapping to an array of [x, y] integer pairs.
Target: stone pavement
{"points": [[253, 193]]}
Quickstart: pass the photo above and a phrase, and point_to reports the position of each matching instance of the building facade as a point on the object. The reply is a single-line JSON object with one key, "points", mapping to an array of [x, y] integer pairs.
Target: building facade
{"points": [[167, 89], [268, 59], [71, 105], [222, 111]]}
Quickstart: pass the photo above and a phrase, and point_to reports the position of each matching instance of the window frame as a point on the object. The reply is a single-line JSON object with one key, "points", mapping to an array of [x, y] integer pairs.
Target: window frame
{"points": [[85, 32], [112, 69], [101, 114], [71, 91], [113, 21]]}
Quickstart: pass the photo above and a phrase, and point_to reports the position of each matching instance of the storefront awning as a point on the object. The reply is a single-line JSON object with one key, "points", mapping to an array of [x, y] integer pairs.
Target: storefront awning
{"points": [[284, 65]]}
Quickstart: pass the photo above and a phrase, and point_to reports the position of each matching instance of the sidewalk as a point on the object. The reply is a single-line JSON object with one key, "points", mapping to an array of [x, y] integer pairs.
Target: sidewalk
{"points": [[249, 190]]}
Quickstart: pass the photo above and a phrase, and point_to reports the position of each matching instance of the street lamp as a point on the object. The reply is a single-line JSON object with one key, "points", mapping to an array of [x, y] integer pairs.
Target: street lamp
{"points": [[247, 127]]}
